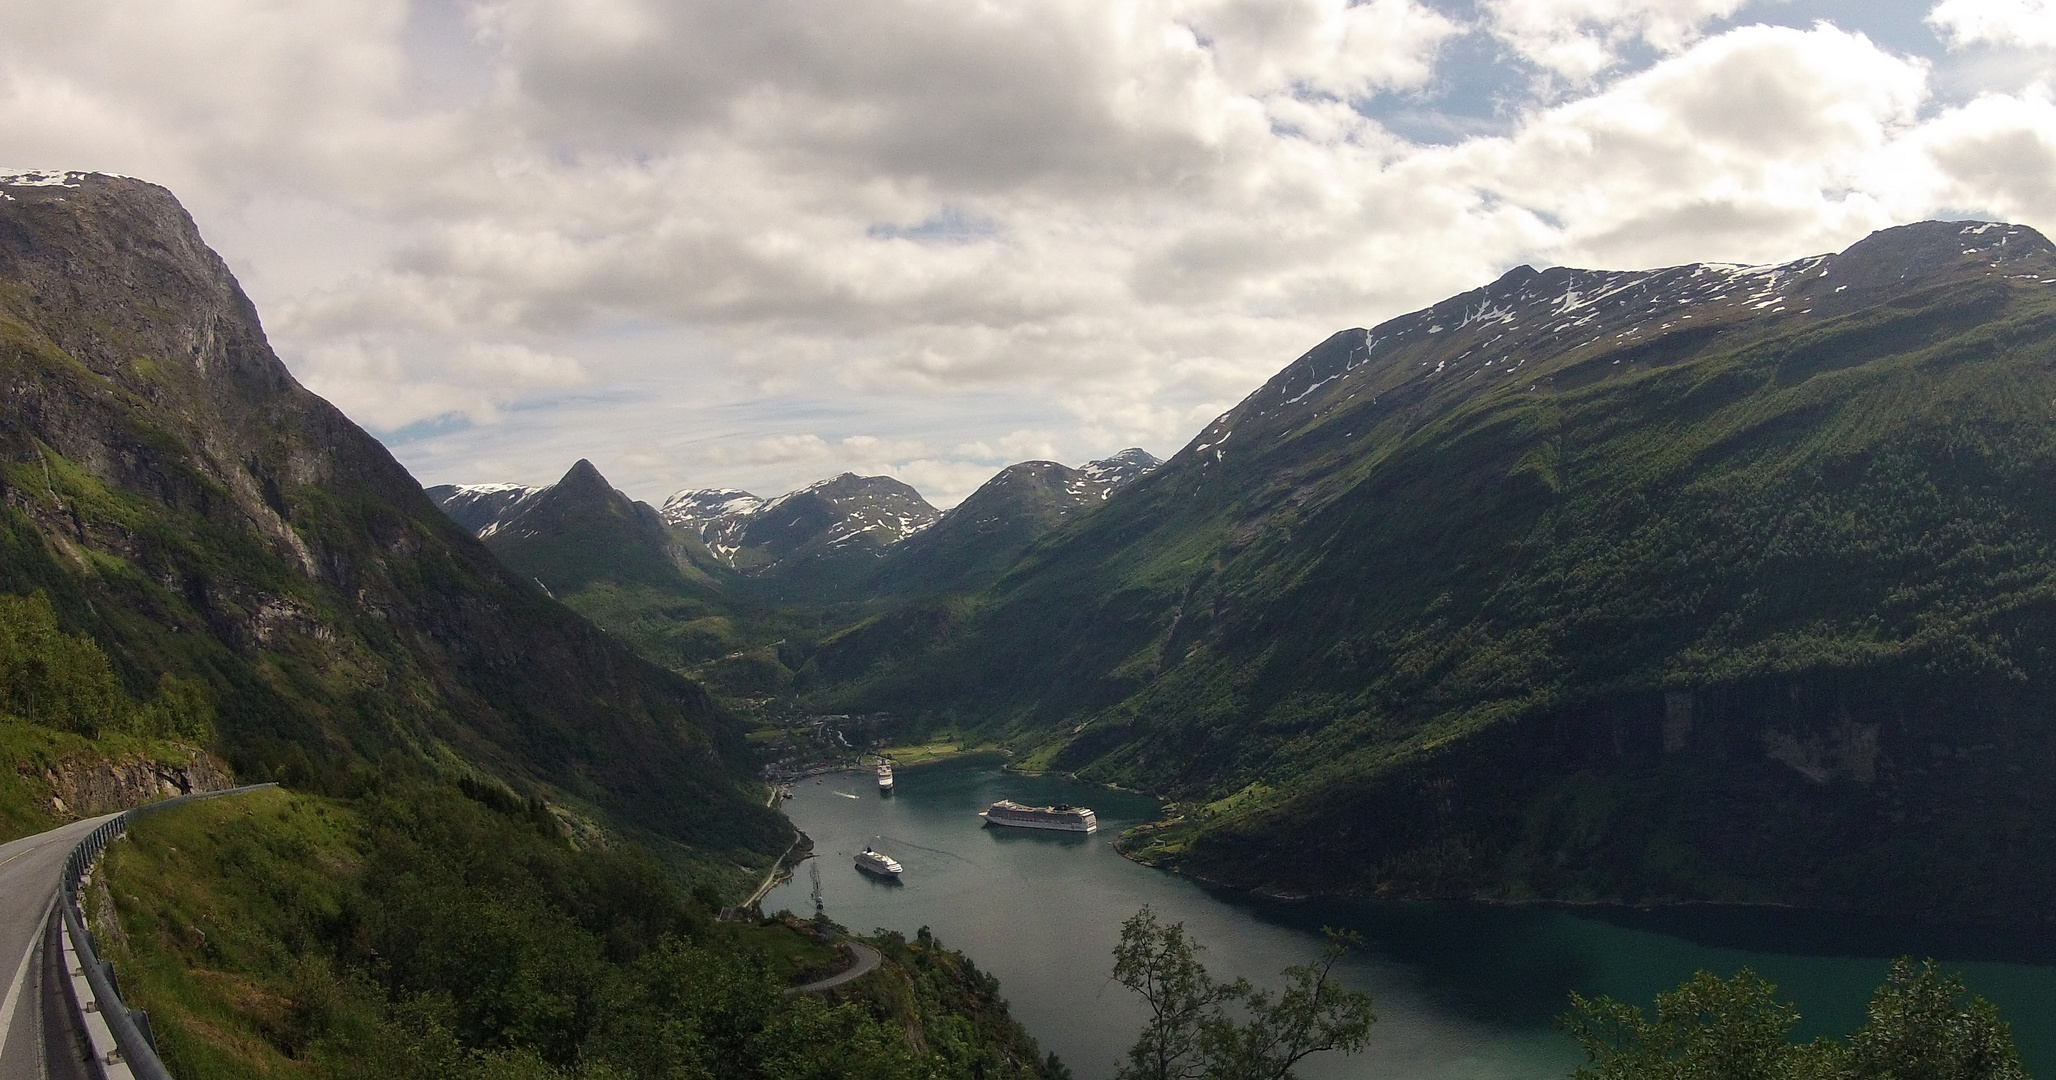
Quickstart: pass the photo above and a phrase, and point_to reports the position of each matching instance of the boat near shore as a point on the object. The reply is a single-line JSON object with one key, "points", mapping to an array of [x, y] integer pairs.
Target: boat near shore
{"points": [[1063, 817], [885, 777]]}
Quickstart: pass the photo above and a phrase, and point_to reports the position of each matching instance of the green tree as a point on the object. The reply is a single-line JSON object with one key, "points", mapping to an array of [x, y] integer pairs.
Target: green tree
{"points": [[1923, 1026], [52, 679], [1708, 1029], [56, 680], [1200, 1028]]}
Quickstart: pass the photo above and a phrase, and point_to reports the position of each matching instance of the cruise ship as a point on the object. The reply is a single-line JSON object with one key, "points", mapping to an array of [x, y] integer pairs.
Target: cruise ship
{"points": [[1062, 817], [877, 862], [885, 776]]}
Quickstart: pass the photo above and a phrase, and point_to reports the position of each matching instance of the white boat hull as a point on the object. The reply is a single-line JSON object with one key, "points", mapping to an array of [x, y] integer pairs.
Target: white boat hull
{"points": [[878, 863], [1047, 826]]}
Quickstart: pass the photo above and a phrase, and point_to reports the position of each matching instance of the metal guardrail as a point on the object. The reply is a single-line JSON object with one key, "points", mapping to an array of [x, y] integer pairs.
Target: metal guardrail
{"points": [[136, 1048]]}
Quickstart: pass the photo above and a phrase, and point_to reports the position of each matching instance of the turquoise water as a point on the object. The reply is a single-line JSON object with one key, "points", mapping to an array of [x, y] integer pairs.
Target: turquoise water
{"points": [[1462, 990]]}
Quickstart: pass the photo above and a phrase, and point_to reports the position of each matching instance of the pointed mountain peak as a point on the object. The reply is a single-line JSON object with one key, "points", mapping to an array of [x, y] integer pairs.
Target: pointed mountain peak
{"points": [[584, 475]]}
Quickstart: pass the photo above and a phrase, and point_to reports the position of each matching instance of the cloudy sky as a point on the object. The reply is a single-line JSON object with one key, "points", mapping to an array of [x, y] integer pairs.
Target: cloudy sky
{"points": [[753, 243]]}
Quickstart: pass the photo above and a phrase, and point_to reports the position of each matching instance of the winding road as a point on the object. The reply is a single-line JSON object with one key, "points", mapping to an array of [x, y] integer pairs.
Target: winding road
{"points": [[867, 962], [30, 869]]}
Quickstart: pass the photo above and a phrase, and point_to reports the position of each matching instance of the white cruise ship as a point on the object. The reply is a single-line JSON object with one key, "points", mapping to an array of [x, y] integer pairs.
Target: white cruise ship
{"points": [[885, 776], [877, 862], [1061, 817]]}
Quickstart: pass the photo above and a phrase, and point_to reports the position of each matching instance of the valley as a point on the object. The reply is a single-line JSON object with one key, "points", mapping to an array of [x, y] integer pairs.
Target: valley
{"points": [[1582, 591], [1708, 583]]}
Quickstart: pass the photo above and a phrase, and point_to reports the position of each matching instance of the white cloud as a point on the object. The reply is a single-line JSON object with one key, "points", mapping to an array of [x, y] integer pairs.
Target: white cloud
{"points": [[962, 232], [2026, 23], [1995, 155], [1579, 39], [393, 384], [1329, 47], [1760, 143], [1020, 445]]}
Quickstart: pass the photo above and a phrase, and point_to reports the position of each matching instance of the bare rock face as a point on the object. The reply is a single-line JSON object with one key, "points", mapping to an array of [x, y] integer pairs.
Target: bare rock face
{"points": [[88, 789]]}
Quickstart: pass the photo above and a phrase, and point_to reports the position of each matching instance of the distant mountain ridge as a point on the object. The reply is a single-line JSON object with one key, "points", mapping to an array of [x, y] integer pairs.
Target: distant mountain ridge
{"points": [[814, 532], [479, 507], [979, 538], [842, 536], [718, 583], [1707, 582], [572, 533]]}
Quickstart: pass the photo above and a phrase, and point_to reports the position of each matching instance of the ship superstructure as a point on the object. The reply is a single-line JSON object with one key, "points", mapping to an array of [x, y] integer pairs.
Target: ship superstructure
{"points": [[1062, 817], [877, 862], [885, 776]]}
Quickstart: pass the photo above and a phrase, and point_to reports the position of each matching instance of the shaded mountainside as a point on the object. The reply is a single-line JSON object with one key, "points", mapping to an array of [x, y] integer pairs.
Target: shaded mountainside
{"points": [[187, 504], [574, 533], [617, 562], [1711, 582], [733, 589], [979, 538]]}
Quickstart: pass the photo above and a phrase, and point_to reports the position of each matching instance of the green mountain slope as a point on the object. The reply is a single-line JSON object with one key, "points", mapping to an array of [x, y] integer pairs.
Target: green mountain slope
{"points": [[981, 537], [1700, 583], [617, 562], [580, 531], [183, 501]]}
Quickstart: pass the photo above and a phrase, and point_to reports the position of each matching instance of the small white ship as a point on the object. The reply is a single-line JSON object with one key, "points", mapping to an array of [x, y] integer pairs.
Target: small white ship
{"points": [[1062, 817], [885, 776], [877, 862]]}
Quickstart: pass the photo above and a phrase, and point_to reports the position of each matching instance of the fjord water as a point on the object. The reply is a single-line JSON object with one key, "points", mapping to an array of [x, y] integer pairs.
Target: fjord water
{"points": [[1463, 990]]}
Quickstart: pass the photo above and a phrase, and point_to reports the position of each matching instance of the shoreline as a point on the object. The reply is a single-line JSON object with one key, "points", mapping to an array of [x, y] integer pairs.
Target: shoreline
{"points": [[2029, 943], [913, 759]]}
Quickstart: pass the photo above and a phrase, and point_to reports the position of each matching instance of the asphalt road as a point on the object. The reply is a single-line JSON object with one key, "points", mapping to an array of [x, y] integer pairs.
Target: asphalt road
{"points": [[29, 871], [867, 961]]}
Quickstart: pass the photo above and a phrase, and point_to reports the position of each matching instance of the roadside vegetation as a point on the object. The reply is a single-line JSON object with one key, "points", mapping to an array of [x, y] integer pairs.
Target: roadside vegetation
{"points": [[61, 706], [427, 930]]}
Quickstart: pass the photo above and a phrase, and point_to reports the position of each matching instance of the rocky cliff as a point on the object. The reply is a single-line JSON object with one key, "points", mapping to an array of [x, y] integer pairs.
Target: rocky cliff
{"points": [[83, 789]]}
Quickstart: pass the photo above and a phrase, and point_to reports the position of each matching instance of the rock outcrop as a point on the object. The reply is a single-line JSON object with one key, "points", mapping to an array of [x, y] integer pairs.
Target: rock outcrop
{"points": [[83, 789]]}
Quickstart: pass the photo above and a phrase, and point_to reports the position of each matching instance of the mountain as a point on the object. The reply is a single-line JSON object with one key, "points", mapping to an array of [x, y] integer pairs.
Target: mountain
{"points": [[858, 537], [571, 534], [192, 509], [619, 563], [808, 544], [979, 538], [1704, 583], [1106, 474], [478, 506]]}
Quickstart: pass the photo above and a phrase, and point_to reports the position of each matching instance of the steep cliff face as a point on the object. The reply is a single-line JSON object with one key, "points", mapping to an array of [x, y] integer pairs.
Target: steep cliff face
{"points": [[197, 511]]}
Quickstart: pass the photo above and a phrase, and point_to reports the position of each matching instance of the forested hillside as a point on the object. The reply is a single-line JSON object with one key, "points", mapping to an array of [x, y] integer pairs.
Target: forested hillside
{"points": [[420, 931], [1702, 583]]}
